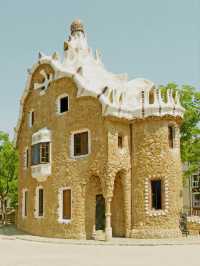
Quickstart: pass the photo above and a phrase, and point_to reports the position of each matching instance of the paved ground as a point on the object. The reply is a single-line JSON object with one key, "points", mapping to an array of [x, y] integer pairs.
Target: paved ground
{"points": [[19, 249], [26, 253]]}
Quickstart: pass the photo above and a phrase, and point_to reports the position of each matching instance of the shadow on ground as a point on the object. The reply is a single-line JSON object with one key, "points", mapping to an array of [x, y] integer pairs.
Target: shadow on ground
{"points": [[10, 230]]}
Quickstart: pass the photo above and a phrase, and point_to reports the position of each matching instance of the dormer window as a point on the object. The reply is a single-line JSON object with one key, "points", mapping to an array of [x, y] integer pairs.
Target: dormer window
{"points": [[31, 118], [63, 104]]}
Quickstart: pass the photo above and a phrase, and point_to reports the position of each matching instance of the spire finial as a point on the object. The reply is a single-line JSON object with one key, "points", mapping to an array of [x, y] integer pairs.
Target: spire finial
{"points": [[77, 25]]}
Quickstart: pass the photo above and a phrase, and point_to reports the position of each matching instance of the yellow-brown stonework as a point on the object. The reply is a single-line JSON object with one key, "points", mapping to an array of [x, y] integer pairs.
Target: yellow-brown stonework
{"points": [[122, 175]]}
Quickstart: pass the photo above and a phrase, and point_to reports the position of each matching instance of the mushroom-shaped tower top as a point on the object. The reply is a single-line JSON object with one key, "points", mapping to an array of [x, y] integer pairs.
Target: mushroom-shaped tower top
{"points": [[77, 25]]}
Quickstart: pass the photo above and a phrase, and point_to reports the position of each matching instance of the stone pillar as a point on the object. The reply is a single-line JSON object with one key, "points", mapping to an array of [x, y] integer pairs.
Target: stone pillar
{"points": [[127, 203], [108, 229], [82, 208]]}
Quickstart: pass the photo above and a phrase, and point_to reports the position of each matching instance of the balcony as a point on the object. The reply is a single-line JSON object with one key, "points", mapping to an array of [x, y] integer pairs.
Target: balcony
{"points": [[41, 171]]}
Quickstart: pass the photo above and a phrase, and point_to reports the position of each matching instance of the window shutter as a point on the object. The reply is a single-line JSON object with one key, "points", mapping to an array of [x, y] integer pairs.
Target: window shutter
{"points": [[67, 204], [84, 143]]}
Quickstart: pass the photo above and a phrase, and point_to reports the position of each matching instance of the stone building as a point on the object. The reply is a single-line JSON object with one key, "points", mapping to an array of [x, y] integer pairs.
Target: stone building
{"points": [[97, 152]]}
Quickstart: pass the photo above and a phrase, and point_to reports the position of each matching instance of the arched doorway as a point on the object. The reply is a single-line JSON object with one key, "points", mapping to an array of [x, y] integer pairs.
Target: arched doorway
{"points": [[94, 207], [117, 208]]}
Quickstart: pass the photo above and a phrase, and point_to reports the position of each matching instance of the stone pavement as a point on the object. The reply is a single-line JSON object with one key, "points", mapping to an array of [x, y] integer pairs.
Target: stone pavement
{"points": [[27, 253], [11, 233]]}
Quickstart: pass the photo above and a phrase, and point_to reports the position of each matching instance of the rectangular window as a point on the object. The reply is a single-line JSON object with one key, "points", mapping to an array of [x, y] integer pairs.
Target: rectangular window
{"points": [[120, 142], [31, 118], [66, 208], [40, 202], [40, 153], [156, 195], [81, 144], [171, 136], [64, 104], [25, 203]]}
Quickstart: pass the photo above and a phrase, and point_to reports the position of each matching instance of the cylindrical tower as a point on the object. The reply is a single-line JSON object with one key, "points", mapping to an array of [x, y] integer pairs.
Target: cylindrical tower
{"points": [[156, 176]]}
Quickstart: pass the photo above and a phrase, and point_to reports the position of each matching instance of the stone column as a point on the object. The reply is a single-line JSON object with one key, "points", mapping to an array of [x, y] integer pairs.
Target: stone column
{"points": [[127, 204], [82, 211], [108, 229]]}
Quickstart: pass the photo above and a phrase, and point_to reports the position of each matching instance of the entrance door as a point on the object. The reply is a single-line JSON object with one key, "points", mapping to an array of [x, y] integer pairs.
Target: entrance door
{"points": [[100, 212]]}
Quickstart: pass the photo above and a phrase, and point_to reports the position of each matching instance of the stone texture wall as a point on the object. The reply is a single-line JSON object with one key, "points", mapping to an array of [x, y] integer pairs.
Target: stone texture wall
{"points": [[66, 172], [154, 159]]}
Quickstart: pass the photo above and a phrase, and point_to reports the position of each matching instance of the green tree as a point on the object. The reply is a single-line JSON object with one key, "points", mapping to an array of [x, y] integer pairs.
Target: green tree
{"points": [[8, 174], [190, 128]]}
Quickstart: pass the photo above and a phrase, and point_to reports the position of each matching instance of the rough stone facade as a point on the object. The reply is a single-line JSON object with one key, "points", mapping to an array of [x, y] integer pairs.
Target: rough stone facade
{"points": [[122, 175]]}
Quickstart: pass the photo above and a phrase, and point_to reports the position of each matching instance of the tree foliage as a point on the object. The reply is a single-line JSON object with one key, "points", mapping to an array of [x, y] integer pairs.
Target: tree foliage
{"points": [[8, 174], [190, 128]]}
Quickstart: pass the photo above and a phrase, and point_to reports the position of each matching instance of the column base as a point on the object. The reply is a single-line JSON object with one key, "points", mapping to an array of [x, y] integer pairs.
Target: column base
{"points": [[108, 234], [155, 233]]}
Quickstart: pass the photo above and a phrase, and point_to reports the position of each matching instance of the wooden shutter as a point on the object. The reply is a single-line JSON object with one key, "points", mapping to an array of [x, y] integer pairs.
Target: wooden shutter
{"points": [[67, 204], [77, 144], [84, 143]]}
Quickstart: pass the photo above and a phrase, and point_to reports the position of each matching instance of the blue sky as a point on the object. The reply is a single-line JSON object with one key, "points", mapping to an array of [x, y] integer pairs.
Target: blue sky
{"points": [[157, 40]]}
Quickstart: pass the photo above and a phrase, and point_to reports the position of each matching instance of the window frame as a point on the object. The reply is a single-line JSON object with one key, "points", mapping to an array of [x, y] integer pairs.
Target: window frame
{"points": [[37, 203], [72, 155], [31, 118], [60, 211], [171, 136], [161, 195], [58, 104], [40, 159]]}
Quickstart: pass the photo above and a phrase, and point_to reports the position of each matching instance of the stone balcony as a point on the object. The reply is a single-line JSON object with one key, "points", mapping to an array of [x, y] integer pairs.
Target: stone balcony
{"points": [[41, 171]]}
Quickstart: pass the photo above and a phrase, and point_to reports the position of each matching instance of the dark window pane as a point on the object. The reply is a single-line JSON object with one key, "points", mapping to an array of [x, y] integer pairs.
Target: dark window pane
{"points": [[120, 142], [171, 136], [41, 202], [64, 104], [67, 204], [32, 118], [156, 194], [35, 154]]}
